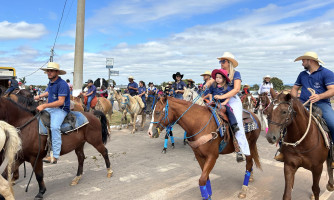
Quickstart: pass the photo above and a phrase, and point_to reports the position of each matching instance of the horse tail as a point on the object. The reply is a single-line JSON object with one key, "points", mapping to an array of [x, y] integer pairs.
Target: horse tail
{"points": [[252, 144], [13, 145], [104, 126], [255, 155]]}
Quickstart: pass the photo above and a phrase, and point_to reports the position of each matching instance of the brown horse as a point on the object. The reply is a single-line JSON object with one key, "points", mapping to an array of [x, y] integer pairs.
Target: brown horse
{"points": [[264, 102], [248, 102], [200, 127], [287, 112], [33, 144]]}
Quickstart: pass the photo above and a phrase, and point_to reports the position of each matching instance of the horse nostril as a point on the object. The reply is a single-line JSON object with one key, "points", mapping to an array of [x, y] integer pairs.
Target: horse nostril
{"points": [[274, 138]]}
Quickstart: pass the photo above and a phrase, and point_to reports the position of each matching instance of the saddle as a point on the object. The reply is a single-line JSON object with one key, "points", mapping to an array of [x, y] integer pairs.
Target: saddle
{"points": [[92, 103], [73, 121]]}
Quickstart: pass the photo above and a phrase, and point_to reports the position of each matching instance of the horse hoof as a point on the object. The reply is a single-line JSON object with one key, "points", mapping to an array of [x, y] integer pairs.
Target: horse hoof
{"points": [[39, 196], [251, 178], [312, 197], [75, 181], [110, 172], [243, 192], [173, 146], [164, 151], [330, 187]]}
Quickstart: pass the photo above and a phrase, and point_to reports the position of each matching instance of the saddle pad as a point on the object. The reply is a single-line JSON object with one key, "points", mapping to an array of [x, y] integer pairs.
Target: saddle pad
{"points": [[325, 134], [218, 120], [65, 128], [92, 103]]}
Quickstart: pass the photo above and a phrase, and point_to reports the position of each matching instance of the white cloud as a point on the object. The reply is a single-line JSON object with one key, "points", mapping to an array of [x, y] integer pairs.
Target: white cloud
{"points": [[9, 31]]}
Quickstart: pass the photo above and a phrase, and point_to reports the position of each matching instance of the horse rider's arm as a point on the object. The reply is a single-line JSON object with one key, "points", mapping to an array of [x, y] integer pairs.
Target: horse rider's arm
{"points": [[206, 96], [225, 101], [209, 83], [328, 94], [9, 81], [59, 102], [234, 91], [294, 91], [45, 94]]}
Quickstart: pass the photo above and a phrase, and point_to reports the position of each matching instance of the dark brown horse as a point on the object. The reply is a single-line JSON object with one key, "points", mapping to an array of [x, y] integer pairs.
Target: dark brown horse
{"points": [[33, 145], [286, 112], [200, 126]]}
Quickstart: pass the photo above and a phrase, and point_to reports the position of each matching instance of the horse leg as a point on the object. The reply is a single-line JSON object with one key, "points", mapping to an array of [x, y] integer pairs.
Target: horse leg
{"points": [[289, 175], [39, 177], [316, 173], [172, 138], [164, 150], [134, 117], [185, 138], [330, 184], [6, 190], [207, 165], [81, 157], [249, 171], [104, 152], [143, 120]]}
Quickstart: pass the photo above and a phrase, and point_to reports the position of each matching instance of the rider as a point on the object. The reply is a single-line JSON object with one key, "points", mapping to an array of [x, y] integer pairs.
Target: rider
{"points": [[228, 62], [151, 90], [58, 105], [178, 86], [90, 94], [246, 91], [218, 88], [142, 92], [265, 86], [320, 79], [191, 84], [12, 85], [132, 86], [169, 89], [206, 77], [103, 92]]}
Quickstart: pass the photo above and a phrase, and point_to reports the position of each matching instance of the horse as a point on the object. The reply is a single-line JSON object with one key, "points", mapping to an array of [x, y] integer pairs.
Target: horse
{"points": [[191, 95], [264, 101], [101, 81], [302, 144], [132, 105], [151, 100], [34, 145], [202, 136], [248, 102], [10, 144]]}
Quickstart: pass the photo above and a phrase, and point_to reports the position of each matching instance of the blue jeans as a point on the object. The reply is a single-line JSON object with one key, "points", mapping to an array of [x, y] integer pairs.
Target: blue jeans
{"points": [[11, 89], [328, 115], [230, 115], [57, 117], [178, 96], [89, 99]]}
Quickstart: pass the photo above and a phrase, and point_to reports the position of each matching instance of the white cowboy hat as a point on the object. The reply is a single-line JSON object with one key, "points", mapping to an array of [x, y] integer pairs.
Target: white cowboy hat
{"points": [[131, 77], [54, 66], [246, 85], [266, 76], [311, 56], [229, 56], [206, 73]]}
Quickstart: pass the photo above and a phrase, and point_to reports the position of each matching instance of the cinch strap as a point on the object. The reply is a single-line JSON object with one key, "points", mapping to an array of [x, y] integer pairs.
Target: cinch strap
{"points": [[204, 192], [247, 176]]}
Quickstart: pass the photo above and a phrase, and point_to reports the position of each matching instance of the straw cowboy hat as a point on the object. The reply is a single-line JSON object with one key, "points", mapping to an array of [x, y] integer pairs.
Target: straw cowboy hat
{"points": [[266, 76], [206, 73], [131, 77], [170, 82], [222, 72], [229, 56], [246, 85], [177, 74], [191, 80], [310, 56], [54, 66]]}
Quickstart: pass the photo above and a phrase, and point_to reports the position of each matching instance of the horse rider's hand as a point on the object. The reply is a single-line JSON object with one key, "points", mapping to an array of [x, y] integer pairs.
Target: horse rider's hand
{"points": [[40, 107], [217, 97], [314, 98], [37, 97]]}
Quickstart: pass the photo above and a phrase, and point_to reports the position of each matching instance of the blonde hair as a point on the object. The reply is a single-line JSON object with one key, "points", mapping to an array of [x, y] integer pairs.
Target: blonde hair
{"points": [[231, 71]]}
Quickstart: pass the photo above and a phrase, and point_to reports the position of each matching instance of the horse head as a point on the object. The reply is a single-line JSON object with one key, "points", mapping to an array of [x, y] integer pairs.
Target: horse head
{"points": [[160, 117], [280, 115], [188, 94], [125, 101], [150, 103]]}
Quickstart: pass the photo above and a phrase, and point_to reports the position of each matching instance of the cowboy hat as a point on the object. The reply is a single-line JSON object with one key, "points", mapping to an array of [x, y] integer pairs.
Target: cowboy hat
{"points": [[266, 76], [190, 80], [310, 56], [222, 72], [206, 73], [150, 83], [229, 56], [54, 66], [170, 83], [177, 74], [131, 77], [246, 85]]}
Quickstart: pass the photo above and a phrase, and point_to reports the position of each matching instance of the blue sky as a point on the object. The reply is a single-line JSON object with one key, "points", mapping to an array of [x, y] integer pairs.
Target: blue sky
{"points": [[152, 39]]}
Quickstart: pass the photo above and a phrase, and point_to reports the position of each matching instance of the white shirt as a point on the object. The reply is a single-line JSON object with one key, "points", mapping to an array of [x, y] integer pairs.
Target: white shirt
{"points": [[265, 87]]}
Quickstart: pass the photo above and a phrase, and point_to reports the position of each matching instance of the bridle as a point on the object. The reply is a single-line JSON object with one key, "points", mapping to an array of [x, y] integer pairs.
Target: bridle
{"points": [[290, 115]]}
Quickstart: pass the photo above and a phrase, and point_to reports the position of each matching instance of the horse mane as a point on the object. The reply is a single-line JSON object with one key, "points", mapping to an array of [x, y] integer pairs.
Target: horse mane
{"points": [[187, 103], [20, 106]]}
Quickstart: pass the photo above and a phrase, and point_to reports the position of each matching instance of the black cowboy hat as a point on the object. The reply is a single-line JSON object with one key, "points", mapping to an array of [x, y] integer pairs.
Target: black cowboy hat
{"points": [[150, 83], [177, 74]]}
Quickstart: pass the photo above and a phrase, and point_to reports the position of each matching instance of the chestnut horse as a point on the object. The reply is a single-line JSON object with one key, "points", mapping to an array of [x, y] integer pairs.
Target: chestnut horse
{"points": [[301, 148], [248, 102], [33, 144], [199, 124]]}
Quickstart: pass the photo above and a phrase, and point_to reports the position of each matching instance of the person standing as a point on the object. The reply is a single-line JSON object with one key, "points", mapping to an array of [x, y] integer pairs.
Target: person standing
{"points": [[178, 86], [69, 85], [132, 86], [58, 105]]}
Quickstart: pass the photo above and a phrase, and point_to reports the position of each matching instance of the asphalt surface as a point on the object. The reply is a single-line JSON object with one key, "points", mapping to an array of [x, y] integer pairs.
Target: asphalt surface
{"points": [[141, 172]]}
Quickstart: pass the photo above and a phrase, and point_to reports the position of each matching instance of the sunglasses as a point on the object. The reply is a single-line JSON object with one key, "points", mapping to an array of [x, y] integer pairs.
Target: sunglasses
{"points": [[223, 61]]}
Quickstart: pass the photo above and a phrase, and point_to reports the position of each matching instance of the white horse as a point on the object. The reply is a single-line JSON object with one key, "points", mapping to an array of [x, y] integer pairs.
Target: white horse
{"points": [[191, 95], [10, 144], [134, 106]]}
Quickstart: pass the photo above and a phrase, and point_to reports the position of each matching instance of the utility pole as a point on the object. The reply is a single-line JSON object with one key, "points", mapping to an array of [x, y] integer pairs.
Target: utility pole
{"points": [[79, 45]]}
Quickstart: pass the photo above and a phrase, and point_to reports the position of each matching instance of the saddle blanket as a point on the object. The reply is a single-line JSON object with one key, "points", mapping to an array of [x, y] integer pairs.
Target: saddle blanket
{"points": [[92, 103], [66, 127], [250, 123]]}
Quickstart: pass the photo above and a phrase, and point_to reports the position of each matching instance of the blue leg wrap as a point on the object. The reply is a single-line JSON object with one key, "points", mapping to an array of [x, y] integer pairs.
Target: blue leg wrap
{"points": [[246, 180], [165, 144], [208, 187], [204, 192], [172, 139], [185, 134]]}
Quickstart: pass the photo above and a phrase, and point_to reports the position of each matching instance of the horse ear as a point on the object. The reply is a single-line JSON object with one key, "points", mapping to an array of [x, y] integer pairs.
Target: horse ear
{"points": [[288, 97], [273, 93]]}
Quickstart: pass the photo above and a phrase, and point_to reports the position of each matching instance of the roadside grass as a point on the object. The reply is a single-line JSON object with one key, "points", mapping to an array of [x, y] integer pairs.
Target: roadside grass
{"points": [[116, 118]]}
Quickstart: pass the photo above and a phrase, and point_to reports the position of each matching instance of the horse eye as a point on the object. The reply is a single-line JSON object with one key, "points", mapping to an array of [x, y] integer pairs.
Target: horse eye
{"points": [[284, 112]]}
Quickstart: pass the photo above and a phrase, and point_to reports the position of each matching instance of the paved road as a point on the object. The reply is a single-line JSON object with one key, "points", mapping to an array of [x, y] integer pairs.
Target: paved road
{"points": [[142, 172]]}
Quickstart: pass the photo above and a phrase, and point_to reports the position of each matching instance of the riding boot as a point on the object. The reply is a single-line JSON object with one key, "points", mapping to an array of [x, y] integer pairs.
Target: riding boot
{"points": [[240, 157]]}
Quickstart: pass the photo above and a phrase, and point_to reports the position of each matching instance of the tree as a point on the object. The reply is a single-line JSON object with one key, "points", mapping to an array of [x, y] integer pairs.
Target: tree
{"points": [[23, 80], [277, 83], [255, 87]]}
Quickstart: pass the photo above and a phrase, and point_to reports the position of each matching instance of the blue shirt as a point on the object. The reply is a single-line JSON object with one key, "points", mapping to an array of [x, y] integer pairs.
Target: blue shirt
{"points": [[92, 89], [14, 83], [215, 90], [237, 76], [178, 86], [133, 84], [318, 80], [57, 89], [141, 90]]}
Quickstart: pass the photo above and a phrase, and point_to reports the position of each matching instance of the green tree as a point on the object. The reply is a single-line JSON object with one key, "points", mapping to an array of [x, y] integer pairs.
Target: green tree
{"points": [[255, 87], [23, 80], [277, 83]]}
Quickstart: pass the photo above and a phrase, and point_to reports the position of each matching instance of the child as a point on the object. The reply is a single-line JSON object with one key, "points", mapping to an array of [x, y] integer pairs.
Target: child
{"points": [[218, 89]]}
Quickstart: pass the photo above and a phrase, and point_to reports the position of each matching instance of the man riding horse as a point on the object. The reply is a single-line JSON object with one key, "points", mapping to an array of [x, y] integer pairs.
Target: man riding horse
{"points": [[58, 106], [321, 80]]}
